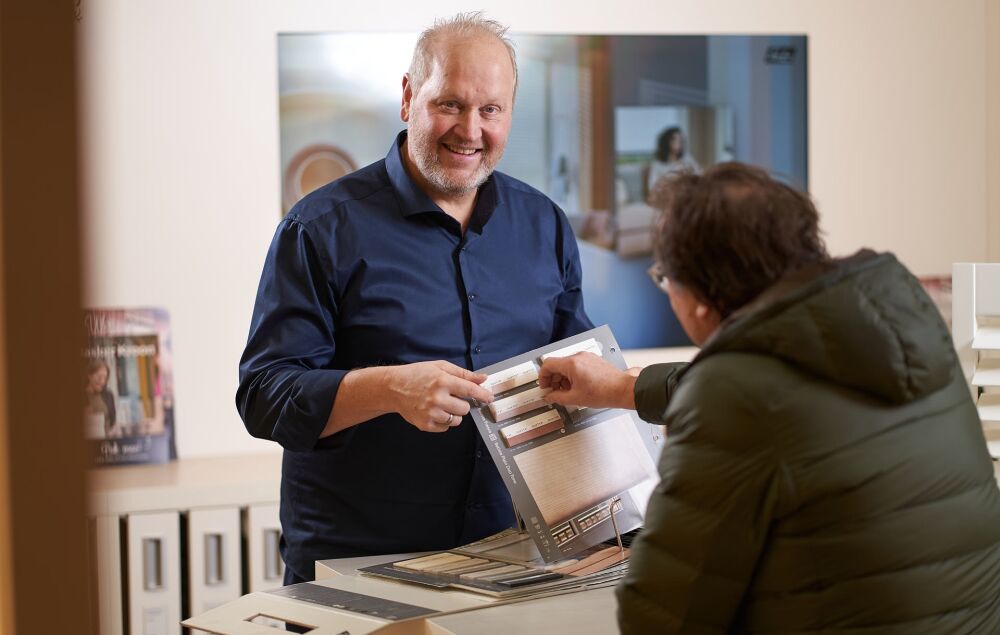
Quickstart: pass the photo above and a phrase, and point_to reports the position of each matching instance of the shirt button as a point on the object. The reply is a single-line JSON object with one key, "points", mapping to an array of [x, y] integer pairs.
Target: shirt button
{"points": [[472, 296], [479, 454], [478, 350]]}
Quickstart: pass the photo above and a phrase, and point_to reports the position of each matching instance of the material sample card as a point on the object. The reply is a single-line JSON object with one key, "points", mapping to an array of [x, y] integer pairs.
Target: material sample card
{"points": [[570, 471]]}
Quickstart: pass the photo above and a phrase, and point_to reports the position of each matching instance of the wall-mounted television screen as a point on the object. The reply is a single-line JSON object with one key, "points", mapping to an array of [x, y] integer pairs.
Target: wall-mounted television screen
{"points": [[598, 120]]}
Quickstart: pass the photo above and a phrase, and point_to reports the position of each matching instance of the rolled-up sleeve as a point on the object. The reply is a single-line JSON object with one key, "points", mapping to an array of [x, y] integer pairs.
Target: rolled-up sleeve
{"points": [[286, 388]]}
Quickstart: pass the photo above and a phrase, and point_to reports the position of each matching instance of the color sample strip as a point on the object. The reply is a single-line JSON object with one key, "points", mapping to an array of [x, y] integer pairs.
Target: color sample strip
{"points": [[586, 346], [522, 402], [452, 566], [531, 428], [588, 561], [511, 378], [555, 566], [500, 572], [615, 558], [495, 543], [415, 561], [483, 566], [423, 566], [533, 578], [528, 571]]}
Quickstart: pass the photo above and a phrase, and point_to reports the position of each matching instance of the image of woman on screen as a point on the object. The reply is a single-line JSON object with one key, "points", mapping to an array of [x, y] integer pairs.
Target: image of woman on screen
{"points": [[670, 157]]}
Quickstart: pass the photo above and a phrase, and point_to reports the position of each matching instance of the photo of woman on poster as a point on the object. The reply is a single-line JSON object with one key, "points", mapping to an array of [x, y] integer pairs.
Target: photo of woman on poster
{"points": [[99, 402]]}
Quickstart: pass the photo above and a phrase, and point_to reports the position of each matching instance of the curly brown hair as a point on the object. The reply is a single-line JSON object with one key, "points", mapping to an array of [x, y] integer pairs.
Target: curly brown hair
{"points": [[733, 231]]}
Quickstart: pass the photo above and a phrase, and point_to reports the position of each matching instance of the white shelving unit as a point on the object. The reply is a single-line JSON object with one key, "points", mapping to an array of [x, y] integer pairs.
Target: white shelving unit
{"points": [[147, 520], [976, 331]]}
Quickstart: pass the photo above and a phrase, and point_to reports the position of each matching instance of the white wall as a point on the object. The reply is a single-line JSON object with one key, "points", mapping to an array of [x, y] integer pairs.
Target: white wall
{"points": [[181, 146]]}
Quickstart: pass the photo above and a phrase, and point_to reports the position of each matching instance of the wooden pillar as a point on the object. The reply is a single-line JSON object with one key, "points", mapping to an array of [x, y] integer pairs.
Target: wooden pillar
{"points": [[43, 532]]}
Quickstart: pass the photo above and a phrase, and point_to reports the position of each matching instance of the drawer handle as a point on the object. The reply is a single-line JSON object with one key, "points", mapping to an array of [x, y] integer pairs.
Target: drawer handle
{"points": [[272, 555], [152, 564], [214, 560]]}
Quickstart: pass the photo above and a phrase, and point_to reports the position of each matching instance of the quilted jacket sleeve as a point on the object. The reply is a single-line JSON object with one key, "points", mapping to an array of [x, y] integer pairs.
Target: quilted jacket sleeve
{"points": [[653, 389], [708, 519]]}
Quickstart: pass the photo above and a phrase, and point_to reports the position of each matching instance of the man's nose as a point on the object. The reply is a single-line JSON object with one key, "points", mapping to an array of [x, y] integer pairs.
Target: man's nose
{"points": [[470, 125]]}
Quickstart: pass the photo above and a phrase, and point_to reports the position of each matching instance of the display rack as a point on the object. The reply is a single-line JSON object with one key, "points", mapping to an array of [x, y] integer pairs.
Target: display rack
{"points": [[976, 331]]}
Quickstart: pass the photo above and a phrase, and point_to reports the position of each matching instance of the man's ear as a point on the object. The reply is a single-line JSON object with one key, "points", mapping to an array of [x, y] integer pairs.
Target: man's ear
{"points": [[708, 316], [404, 108]]}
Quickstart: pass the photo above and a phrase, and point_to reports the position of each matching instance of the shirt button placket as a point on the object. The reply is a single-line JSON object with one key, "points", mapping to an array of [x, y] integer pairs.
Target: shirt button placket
{"points": [[470, 303]]}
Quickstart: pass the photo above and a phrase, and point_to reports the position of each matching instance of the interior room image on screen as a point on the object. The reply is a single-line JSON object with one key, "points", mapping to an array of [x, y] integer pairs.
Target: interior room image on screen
{"points": [[598, 119]]}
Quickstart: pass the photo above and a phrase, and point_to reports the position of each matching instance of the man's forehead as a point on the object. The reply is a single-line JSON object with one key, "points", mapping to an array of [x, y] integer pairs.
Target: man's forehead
{"points": [[483, 49]]}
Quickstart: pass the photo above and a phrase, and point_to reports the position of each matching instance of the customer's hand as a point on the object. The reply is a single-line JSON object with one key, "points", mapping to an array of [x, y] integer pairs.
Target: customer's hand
{"points": [[433, 395], [584, 379]]}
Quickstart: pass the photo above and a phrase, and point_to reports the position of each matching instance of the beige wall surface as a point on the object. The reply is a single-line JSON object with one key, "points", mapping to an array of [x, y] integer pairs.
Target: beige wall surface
{"points": [[993, 127], [181, 144]]}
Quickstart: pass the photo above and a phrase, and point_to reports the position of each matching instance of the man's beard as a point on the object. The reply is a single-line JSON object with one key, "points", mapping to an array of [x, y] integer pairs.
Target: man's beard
{"points": [[428, 163]]}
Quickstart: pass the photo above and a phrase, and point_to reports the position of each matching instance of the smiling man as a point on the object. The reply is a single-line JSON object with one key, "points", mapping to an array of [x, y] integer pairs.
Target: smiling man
{"points": [[458, 99], [381, 293]]}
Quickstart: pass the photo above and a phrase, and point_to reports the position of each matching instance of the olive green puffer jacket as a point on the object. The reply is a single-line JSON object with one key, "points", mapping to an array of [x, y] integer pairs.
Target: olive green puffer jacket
{"points": [[825, 471]]}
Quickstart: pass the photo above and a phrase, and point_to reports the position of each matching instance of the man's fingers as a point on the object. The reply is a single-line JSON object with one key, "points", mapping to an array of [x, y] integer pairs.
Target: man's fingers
{"points": [[464, 383], [463, 373], [439, 420], [555, 381], [555, 366], [465, 389], [563, 397], [457, 407]]}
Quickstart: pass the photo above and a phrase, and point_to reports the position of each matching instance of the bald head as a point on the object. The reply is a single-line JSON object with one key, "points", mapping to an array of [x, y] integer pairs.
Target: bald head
{"points": [[454, 34]]}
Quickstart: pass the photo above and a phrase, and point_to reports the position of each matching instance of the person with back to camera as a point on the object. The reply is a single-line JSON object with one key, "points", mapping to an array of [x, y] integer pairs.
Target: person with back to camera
{"points": [[380, 295], [670, 158], [825, 469]]}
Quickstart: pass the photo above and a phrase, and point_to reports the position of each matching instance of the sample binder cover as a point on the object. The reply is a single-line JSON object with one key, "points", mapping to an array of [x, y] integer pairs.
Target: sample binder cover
{"points": [[128, 403], [568, 470]]}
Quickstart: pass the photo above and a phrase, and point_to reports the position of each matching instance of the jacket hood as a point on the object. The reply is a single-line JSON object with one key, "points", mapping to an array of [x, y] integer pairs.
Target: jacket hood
{"points": [[863, 322]]}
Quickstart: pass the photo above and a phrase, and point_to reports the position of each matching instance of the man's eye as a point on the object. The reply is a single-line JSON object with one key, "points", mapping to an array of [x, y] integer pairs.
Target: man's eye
{"points": [[491, 110]]}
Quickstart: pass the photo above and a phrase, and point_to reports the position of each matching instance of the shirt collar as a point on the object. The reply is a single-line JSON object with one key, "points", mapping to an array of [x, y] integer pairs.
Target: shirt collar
{"points": [[413, 200]]}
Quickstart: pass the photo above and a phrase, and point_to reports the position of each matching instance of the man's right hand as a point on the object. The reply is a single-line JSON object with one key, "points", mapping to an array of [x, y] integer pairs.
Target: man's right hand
{"points": [[433, 396]]}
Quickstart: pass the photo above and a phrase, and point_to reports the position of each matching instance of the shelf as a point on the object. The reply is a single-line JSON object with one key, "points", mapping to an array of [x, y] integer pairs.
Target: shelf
{"points": [[987, 338], [989, 408], [987, 372], [185, 484], [994, 448]]}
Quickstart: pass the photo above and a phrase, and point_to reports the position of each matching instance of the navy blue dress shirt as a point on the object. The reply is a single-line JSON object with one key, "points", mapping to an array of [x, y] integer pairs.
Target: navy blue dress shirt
{"points": [[368, 271]]}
